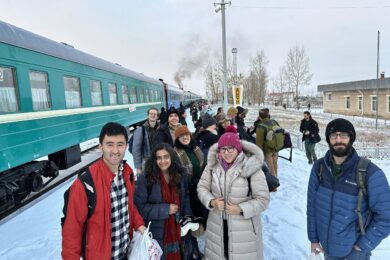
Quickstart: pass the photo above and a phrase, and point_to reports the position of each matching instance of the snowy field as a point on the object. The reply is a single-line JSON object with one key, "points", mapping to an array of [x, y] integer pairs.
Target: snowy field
{"points": [[36, 232]]}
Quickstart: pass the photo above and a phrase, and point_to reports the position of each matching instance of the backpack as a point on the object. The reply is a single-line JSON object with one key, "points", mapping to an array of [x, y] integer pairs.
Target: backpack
{"points": [[132, 140], [272, 181], [274, 135], [203, 148], [361, 171], [89, 187]]}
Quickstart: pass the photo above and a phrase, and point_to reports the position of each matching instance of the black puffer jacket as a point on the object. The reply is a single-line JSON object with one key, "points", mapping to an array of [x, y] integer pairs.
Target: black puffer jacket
{"points": [[312, 127]]}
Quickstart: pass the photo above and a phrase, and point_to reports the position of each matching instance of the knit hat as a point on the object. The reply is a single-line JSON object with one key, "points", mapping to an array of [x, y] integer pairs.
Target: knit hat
{"points": [[340, 125], [208, 121], [241, 111], [264, 113], [172, 110], [181, 130], [230, 138], [232, 111]]}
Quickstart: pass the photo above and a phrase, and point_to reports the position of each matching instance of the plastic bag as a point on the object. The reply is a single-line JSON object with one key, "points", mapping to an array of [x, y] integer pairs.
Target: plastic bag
{"points": [[144, 247], [314, 256]]}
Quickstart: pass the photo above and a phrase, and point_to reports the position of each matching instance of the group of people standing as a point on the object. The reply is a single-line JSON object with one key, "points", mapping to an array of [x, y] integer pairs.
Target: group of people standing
{"points": [[213, 177]]}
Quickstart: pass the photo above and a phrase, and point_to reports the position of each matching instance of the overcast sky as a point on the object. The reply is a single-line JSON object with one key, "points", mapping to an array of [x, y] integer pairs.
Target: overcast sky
{"points": [[155, 36]]}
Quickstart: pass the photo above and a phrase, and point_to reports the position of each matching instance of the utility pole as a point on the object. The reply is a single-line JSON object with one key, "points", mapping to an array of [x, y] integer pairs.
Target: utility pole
{"points": [[221, 7], [377, 85]]}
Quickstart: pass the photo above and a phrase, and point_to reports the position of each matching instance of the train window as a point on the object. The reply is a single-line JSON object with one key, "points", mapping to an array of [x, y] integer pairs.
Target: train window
{"points": [[151, 94], [125, 94], [146, 96], [8, 91], [112, 92], [72, 92], [39, 90], [156, 95], [133, 96], [96, 92], [141, 95]]}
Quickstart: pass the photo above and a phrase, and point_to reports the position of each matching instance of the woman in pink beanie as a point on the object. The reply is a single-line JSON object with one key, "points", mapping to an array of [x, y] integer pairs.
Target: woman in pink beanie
{"points": [[234, 189]]}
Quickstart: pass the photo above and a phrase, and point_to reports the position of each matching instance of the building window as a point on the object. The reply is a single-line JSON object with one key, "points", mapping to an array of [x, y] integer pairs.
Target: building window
{"points": [[328, 96], [360, 103], [373, 103], [8, 91], [113, 94], [388, 104], [39, 90], [347, 102], [125, 94], [133, 96], [96, 92], [72, 92]]}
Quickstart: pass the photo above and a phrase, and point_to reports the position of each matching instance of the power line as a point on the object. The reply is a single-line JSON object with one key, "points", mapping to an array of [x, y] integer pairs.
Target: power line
{"points": [[309, 8]]}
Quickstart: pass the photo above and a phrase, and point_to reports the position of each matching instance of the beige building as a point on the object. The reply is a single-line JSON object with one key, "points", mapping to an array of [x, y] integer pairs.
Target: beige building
{"points": [[357, 98]]}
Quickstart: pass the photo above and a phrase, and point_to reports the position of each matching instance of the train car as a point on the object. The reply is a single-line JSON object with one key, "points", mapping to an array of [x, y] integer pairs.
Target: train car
{"points": [[52, 98], [174, 96]]}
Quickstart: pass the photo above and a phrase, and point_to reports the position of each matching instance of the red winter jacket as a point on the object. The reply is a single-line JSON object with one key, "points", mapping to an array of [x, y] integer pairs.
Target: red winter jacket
{"points": [[98, 243]]}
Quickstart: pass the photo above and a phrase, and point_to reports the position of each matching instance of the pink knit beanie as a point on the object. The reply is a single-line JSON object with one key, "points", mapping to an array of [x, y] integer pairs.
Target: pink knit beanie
{"points": [[230, 138]]}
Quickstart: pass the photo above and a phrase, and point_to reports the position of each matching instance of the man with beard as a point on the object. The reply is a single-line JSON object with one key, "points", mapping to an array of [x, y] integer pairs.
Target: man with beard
{"points": [[341, 222]]}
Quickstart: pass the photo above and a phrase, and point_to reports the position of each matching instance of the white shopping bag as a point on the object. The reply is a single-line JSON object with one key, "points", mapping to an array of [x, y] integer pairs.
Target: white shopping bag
{"points": [[314, 256], [144, 247]]}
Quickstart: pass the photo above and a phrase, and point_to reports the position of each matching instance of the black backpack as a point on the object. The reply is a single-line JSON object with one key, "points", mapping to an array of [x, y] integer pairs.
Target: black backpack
{"points": [[132, 140], [361, 171], [89, 187]]}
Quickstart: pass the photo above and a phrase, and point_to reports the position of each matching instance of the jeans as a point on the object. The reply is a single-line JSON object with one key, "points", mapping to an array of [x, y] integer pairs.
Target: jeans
{"points": [[353, 255], [310, 151]]}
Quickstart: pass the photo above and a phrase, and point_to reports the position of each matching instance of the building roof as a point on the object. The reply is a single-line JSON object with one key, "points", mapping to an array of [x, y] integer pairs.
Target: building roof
{"points": [[15, 36], [370, 84]]}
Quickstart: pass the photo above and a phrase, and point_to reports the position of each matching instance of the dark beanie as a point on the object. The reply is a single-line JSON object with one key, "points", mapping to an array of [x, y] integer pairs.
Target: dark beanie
{"points": [[264, 113], [172, 111], [241, 110], [340, 125], [208, 121]]}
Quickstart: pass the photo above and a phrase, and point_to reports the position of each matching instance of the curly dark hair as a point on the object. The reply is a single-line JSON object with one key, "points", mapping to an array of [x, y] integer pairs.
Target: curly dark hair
{"points": [[152, 170]]}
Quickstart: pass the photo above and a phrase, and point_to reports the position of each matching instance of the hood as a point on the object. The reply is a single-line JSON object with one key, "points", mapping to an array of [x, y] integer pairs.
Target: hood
{"points": [[254, 158]]}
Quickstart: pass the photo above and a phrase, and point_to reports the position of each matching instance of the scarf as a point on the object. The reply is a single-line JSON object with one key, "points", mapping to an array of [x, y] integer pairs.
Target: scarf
{"points": [[171, 239]]}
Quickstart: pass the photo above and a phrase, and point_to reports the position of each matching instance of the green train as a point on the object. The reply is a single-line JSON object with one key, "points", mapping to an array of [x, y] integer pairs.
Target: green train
{"points": [[54, 97]]}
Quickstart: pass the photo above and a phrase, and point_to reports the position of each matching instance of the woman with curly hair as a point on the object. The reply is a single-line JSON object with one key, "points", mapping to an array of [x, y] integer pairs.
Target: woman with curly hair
{"points": [[161, 197]]}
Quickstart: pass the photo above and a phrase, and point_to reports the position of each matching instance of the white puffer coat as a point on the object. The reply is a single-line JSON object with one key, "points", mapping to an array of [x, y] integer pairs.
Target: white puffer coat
{"points": [[245, 239]]}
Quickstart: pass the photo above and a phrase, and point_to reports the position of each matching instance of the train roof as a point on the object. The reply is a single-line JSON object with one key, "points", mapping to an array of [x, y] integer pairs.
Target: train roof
{"points": [[16, 36]]}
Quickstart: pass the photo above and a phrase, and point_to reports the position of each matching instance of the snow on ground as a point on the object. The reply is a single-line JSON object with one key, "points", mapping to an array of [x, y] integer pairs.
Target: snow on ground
{"points": [[36, 232]]}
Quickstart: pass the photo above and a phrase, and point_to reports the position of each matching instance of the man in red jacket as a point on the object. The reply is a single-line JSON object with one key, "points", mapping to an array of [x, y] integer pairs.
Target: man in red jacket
{"points": [[109, 229]]}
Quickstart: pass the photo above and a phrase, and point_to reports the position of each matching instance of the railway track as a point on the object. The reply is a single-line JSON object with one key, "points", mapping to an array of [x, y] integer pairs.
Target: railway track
{"points": [[89, 156]]}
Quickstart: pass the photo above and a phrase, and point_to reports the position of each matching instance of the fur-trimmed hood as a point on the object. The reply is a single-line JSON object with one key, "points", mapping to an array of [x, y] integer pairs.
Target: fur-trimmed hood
{"points": [[252, 157]]}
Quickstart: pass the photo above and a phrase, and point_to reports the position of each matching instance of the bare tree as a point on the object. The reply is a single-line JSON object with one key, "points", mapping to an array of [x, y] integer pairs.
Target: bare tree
{"points": [[256, 84], [297, 69]]}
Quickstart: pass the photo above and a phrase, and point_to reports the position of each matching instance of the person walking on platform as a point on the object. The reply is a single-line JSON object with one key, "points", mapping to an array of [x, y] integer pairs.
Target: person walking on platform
{"points": [[231, 114], [166, 132], [234, 189], [270, 154], [348, 199], [309, 129], [143, 139], [109, 229], [194, 114], [162, 197], [182, 117], [163, 116], [208, 136]]}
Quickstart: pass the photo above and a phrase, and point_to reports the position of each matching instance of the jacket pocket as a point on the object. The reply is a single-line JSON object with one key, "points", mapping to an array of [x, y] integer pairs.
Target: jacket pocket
{"points": [[253, 226]]}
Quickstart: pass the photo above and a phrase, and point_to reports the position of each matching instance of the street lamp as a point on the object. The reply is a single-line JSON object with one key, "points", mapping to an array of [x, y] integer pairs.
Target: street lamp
{"points": [[234, 51]]}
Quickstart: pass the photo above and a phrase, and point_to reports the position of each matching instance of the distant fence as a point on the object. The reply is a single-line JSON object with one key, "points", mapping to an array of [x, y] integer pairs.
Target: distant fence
{"points": [[322, 148]]}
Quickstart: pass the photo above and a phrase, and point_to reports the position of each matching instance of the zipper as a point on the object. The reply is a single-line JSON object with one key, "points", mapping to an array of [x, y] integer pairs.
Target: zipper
{"points": [[331, 204]]}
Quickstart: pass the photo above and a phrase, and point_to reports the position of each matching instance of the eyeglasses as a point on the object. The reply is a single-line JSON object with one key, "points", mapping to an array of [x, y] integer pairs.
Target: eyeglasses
{"points": [[342, 135], [228, 149]]}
